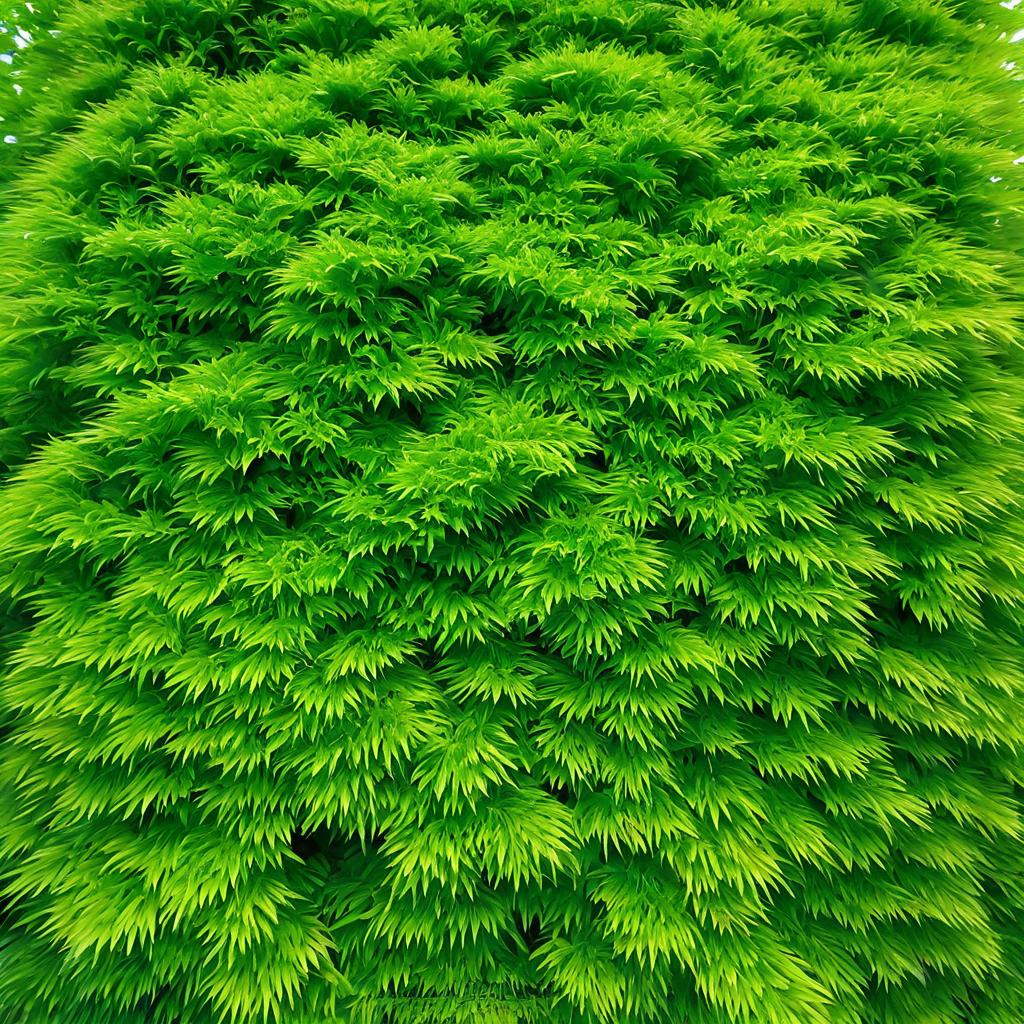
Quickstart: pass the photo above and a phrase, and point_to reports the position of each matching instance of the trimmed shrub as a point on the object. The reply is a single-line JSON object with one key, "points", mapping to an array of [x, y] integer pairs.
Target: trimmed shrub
{"points": [[511, 511]]}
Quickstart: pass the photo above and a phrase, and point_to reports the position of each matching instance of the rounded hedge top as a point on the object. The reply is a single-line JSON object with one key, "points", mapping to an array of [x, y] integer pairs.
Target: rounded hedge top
{"points": [[511, 511]]}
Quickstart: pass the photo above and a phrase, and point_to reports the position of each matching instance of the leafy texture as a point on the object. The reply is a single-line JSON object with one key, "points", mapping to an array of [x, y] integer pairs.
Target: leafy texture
{"points": [[511, 511]]}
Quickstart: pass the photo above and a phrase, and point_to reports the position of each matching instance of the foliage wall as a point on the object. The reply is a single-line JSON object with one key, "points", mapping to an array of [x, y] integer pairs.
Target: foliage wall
{"points": [[511, 510]]}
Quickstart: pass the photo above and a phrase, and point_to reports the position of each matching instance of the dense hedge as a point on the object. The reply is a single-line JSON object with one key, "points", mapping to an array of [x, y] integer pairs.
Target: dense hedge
{"points": [[510, 510]]}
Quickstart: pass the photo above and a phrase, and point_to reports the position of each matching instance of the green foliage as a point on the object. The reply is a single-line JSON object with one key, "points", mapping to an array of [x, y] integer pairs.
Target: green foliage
{"points": [[512, 511]]}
